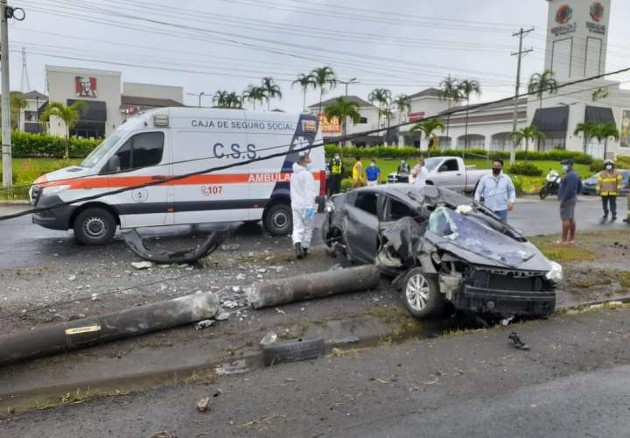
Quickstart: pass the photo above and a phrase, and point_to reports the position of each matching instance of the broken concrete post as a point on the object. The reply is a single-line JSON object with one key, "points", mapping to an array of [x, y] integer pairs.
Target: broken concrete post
{"points": [[318, 285], [80, 333]]}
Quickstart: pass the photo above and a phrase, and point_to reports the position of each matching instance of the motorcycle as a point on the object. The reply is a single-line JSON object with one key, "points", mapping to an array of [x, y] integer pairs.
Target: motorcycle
{"points": [[552, 184]]}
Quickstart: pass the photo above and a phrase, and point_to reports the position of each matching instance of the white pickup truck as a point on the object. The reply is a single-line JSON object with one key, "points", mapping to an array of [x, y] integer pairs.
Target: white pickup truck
{"points": [[449, 172]]}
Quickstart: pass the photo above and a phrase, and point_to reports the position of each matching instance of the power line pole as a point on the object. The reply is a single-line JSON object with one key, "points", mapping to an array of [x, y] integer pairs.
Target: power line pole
{"points": [[520, 54], [7, 176], [25, 83]]}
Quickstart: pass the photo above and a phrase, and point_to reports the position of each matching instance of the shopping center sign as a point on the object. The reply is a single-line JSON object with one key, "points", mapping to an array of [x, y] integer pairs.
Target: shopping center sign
{"points": [[329, 127]]}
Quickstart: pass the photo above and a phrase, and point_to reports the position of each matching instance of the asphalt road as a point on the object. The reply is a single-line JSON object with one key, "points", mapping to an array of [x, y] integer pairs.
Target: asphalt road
{"points": [[26, 244]]}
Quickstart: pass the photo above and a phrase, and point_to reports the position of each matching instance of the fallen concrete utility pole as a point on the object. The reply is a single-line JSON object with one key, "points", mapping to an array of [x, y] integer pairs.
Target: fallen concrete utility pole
{"points": [[318, 285], [81, 333]]}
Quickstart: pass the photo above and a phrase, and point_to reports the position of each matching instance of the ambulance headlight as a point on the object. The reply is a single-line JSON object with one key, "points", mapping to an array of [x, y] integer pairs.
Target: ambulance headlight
{"points": [[54, 190]]}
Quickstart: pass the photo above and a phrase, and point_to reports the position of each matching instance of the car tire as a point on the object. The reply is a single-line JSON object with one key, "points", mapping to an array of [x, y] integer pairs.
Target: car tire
{"points": [[421, 294], [293, 351], [94, 226], [278, 220]]}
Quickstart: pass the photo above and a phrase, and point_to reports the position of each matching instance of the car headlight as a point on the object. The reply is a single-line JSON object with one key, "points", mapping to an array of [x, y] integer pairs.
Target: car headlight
{"points": [[53, 190], [555, 273], [330, 207]]}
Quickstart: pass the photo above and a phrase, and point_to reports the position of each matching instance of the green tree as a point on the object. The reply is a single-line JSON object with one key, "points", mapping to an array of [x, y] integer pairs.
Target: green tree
{"points": [[17, 103], [527, 133], [599, 93], [603, 131], [427, 127], [323, 77], [255, 94], [586, 129], [382, 97], [305, 81], [402, 102], [343, 109], [539, 83], [449, 91], [70, 115], [468, 87], [233, 100], [219, 98], [272, 90]]}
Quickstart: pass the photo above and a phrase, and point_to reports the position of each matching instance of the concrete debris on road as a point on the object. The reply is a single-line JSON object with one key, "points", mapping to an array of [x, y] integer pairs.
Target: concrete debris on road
{"points": [[241, 277], [203, 404], [236, 367], [232, 247], [268, 339], [142, 265], [222, 316], [230, 304], [204, 324], [506, 321], [72, 278], [518, 343]]}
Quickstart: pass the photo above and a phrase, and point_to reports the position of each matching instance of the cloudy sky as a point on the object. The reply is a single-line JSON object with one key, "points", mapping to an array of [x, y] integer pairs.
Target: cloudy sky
{"points": [[210, 45]]}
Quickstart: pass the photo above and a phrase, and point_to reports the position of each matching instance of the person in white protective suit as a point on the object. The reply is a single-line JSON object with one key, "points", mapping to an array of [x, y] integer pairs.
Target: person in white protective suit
{"points": [[303, 193]]}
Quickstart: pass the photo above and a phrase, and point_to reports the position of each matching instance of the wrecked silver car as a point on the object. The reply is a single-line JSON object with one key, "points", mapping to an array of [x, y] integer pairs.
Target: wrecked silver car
{"points": [[441, 247]]}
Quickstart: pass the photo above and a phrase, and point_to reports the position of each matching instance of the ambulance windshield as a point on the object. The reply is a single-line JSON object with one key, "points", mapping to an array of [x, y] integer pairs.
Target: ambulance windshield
{"points": [[102, 150]]}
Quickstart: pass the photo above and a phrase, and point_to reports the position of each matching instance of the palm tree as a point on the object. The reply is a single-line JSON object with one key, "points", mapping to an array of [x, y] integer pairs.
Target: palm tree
{"points": [[467, 87], [271, 90], [70, 116], [254, 94], [323, 77], [402, 102], [603, 131], [586, 129], [383, 97], [233, 100], [427, 127], [343, 108], [305, 81], [451, 93], [540, 83], [219, 98], [17, 103], [527, 133]]}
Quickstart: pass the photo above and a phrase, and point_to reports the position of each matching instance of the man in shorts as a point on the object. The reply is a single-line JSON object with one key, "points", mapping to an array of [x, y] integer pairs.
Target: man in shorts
{"points": [[567, 195]]}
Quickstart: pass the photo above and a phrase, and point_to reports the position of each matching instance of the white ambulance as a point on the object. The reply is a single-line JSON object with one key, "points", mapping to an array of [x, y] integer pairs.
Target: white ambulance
{"points": [[167, 142]]}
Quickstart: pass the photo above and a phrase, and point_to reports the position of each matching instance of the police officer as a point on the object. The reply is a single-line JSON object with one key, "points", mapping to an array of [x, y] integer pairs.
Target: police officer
{"points": [[336, 174]]}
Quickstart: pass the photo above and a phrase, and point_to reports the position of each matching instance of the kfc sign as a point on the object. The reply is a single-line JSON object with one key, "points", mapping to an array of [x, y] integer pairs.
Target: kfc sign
{"points": [[85, 86]]}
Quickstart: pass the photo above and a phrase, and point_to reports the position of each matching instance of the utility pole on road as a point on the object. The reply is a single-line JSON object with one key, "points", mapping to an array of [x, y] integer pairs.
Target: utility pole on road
{"points": [[520, 54], [7, 176]]}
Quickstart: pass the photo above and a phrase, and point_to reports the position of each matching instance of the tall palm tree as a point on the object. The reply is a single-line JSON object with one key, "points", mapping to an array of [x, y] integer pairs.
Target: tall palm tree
{"points": [[450, 92], [219, 98], [603, 131], [585, 129], [427, 127], [343, 109], [272, 90], [254, 94], [527, 133], [233, 100], [382, 97], [305, 81], [539, 83], [468, 87], [323, 77], [402, 102], [17, 103], [70, 116]]}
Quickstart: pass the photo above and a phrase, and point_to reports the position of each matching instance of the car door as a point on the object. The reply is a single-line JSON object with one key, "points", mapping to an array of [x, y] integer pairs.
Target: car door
{"points": [[362, 226], [450, 175]]}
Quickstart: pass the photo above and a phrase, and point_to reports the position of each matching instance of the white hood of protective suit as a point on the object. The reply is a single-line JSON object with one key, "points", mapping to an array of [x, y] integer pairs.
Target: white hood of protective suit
{"points": [[303, 189]]}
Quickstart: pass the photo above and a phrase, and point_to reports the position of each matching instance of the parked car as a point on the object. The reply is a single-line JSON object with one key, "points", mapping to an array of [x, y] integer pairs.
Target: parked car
{"points": [[589, 185], [447, 172], [441, 248]]}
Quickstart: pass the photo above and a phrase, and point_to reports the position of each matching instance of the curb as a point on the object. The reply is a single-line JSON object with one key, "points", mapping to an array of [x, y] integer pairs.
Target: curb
{"points": [[15, 202]]}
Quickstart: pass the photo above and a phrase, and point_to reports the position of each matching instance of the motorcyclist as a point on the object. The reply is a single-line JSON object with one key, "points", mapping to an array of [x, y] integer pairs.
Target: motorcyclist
{"points": [[403, 167], [609, 184], [303, 194]]}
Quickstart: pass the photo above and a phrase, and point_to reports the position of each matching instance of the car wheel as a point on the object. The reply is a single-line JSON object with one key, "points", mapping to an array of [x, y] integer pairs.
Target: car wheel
{"points": [[94, 226], [421, 294], [278, 220]]}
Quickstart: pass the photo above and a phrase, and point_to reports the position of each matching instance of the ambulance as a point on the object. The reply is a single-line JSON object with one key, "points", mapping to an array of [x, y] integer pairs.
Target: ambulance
{"points": [[183, 142]]}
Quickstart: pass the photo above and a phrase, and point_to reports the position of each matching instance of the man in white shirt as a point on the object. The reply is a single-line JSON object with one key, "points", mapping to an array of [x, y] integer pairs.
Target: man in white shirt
{"points": [[497, 191], [420, 173]]}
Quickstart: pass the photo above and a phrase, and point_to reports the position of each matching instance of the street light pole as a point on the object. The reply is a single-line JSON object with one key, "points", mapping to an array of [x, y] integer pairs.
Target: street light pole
{"points": [[346, 83], [7, 176], [199, 95]]}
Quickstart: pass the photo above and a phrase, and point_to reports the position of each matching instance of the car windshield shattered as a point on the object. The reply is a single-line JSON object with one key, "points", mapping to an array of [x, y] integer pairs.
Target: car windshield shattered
{"points": [[474, 236]]}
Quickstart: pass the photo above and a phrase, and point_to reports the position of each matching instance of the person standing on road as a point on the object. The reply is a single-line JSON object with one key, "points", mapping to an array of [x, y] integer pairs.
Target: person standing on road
{"points": [[570, 186], [303, 194], [609, 183], [372, 173], [357, 173], [336, 173], [420, 173], [497, 191]]}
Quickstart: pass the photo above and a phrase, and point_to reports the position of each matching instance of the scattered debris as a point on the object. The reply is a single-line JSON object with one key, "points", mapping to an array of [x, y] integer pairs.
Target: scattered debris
{"points": [[240, 277], [142, 265], [506, 321], [518, 344], [204, 324], [72, 278], [94, 297], [261, 270], [230, 304], [203, 404], [345, 340], [222, 316], [269, 339], [336, 267], [281, 311], [236, 288], [232, 247], [163, 434], [237, 367]]}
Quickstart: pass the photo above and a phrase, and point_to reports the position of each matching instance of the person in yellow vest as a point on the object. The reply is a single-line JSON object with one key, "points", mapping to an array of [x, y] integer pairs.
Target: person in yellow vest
{"points": [[609, 184], [357, 173], [336, 174]]}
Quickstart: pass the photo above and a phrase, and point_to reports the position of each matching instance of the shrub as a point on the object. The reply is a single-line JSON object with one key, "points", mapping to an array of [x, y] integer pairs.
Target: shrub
{"points": [[518, 184], [346, 184], [596, 166], [26, 145], [525, 168]]}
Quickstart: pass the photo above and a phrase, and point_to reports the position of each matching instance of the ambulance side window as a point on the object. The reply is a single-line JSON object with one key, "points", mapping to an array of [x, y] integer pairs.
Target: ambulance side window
{"points": [[141, 150]]}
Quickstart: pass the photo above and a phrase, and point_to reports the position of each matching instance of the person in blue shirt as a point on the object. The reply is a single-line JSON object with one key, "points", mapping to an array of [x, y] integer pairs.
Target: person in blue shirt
{"points": [[570, 186], [497, 191], [372, 173]]}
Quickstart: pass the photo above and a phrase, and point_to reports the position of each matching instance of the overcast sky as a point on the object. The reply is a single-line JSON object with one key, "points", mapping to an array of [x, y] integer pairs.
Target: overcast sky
{"points": [[210, 45]]}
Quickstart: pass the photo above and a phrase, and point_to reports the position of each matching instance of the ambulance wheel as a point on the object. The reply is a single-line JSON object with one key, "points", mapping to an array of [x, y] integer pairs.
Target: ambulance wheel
{"points": [[94, 226], [278, 220]]}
